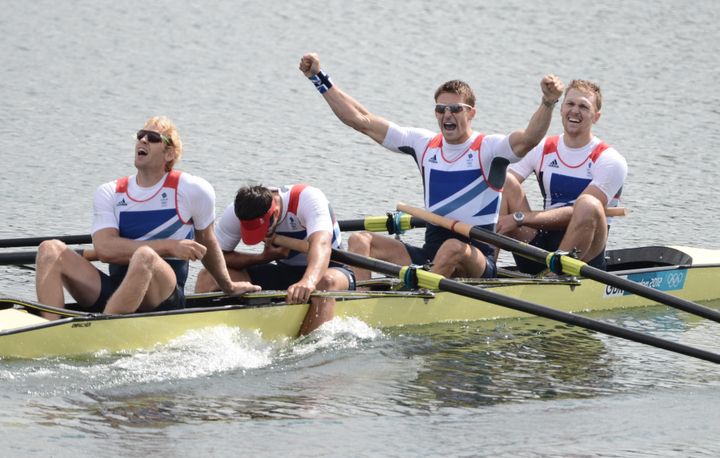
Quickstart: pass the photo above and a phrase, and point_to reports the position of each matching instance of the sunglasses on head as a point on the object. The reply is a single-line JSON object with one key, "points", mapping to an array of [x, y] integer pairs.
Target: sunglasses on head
{"points": [[153, 137], [454, 108]]}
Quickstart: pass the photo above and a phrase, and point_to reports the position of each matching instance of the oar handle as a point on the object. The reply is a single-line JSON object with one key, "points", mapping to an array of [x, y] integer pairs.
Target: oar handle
{"points": [[616, 211]]}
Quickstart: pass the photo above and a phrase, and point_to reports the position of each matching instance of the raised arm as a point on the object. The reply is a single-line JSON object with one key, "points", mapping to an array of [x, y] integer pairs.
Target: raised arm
{"points": [[522, 141], [347, 109]]}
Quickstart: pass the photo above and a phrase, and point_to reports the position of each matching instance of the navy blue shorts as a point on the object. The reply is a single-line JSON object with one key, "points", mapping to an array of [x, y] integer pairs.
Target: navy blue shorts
{"points": [[550, 241], [279, 276], [109, 284], [422, 256]]}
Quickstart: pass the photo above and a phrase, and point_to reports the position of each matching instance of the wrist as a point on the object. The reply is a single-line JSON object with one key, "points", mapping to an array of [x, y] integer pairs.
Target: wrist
{"points": [[549, 103], [322, 81]]}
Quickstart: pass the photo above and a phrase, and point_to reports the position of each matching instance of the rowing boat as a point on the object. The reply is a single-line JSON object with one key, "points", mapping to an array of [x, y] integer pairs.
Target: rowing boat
{"points": [[689, 273]]}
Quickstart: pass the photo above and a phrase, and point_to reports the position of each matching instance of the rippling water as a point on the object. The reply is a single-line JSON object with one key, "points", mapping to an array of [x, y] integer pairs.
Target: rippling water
{"points": [[79, 78]]}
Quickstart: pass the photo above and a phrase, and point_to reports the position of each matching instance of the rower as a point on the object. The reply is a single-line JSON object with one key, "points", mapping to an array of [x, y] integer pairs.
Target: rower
{"points": [[463, 170], [300, 211], [147, 227], [580, 176]]}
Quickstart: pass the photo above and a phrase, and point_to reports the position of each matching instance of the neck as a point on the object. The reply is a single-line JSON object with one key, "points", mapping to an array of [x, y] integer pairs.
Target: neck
{"points": [[147, 179], [578, 140]]}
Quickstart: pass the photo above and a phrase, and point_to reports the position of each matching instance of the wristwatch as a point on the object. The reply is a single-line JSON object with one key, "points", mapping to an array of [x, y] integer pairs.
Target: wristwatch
{"points": [[519, 217]]}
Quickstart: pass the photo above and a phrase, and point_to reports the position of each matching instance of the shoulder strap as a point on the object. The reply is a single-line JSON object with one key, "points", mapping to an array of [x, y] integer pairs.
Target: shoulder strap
{"points": [[435, 142], [551, 144], [172, 180], [598, 151], [122, 185], [295, 197], [477, 143]]}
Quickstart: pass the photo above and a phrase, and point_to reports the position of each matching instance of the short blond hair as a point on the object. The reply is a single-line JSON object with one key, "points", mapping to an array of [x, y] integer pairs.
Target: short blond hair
{"points": [[165, 126], [587, 87]]}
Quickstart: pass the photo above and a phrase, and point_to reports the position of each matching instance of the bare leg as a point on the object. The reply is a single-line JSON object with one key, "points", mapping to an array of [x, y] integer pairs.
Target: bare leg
{"points": [[378, 247], [455, 258], [587, 231], [148, 282], [322, 309], [58, 266]]}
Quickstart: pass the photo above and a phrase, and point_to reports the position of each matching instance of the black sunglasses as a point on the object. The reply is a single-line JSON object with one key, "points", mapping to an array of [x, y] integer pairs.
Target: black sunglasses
{"points": [[153, 137], [454, 108]]}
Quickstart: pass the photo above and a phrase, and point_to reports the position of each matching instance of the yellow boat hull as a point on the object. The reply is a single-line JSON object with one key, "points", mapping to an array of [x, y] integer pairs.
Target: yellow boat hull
{"points": [[23, 335]]}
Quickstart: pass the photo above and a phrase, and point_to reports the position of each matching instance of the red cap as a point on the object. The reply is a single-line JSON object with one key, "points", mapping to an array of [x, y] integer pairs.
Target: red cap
{"points": [[254, 231]]}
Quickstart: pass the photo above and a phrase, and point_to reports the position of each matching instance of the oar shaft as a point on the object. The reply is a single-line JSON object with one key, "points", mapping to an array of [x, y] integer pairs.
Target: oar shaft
{"points": [[385, 223], [430, 280], [570, 265], [28, 257], [35, 241], [575, 320]]}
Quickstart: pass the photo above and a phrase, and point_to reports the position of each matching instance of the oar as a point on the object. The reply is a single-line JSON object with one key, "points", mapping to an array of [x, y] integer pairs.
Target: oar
{"points": [[393, 223], [570, 265], [35, 241], [434, 281], [28, 257]]}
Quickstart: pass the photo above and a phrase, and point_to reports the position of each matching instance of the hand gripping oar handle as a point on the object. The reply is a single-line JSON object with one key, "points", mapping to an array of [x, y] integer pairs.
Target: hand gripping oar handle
{"points": [[570, 265], [434, 281]]}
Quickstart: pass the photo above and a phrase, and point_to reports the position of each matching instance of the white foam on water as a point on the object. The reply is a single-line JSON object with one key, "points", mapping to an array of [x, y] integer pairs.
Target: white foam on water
{"points": [[336, 334]]}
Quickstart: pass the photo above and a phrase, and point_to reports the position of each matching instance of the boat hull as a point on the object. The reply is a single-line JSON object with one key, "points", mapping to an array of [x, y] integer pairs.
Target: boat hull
{"points": [[28, 336]]}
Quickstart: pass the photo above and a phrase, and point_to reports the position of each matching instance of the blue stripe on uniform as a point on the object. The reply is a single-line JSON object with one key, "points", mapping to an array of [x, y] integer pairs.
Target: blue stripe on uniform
{"points": [[462, 200], [444, 184]]}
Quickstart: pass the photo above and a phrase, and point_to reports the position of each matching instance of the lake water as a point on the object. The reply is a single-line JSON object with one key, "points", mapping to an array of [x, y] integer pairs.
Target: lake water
{"points": [[79, 78]]}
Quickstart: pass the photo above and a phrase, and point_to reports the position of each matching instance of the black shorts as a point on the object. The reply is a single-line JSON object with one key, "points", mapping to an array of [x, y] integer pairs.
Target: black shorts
{"points": [[109, 284], [279, 276], [422, 256], [550, 241]]}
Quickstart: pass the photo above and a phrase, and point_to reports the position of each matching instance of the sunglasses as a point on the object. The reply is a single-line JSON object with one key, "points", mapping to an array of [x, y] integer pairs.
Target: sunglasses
{"points": [[454, 108], [153, 137]]}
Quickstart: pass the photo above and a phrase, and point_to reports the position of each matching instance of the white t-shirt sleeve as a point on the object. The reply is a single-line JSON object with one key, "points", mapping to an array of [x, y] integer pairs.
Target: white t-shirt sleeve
{"points": [[227, 230], [104, 207], [499, 146], [196, 200], [525, 166], [609, 173], [314, 211], [399, 139]]}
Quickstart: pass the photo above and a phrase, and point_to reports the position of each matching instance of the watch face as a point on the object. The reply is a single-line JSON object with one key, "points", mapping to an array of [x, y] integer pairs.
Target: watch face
{"points": [[518, 217]]}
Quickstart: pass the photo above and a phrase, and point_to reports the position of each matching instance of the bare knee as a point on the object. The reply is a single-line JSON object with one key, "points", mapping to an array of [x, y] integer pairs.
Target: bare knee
{"points": [[360, 242], [332, 280], [50, 251], [587, 207], [143, 258], [452, 248]]}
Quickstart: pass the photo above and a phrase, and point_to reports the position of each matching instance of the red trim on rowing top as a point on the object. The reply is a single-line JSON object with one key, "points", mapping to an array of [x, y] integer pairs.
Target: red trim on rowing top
{"points": [[435, 142], [121, 185], [551, 145], [295, 197]]}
